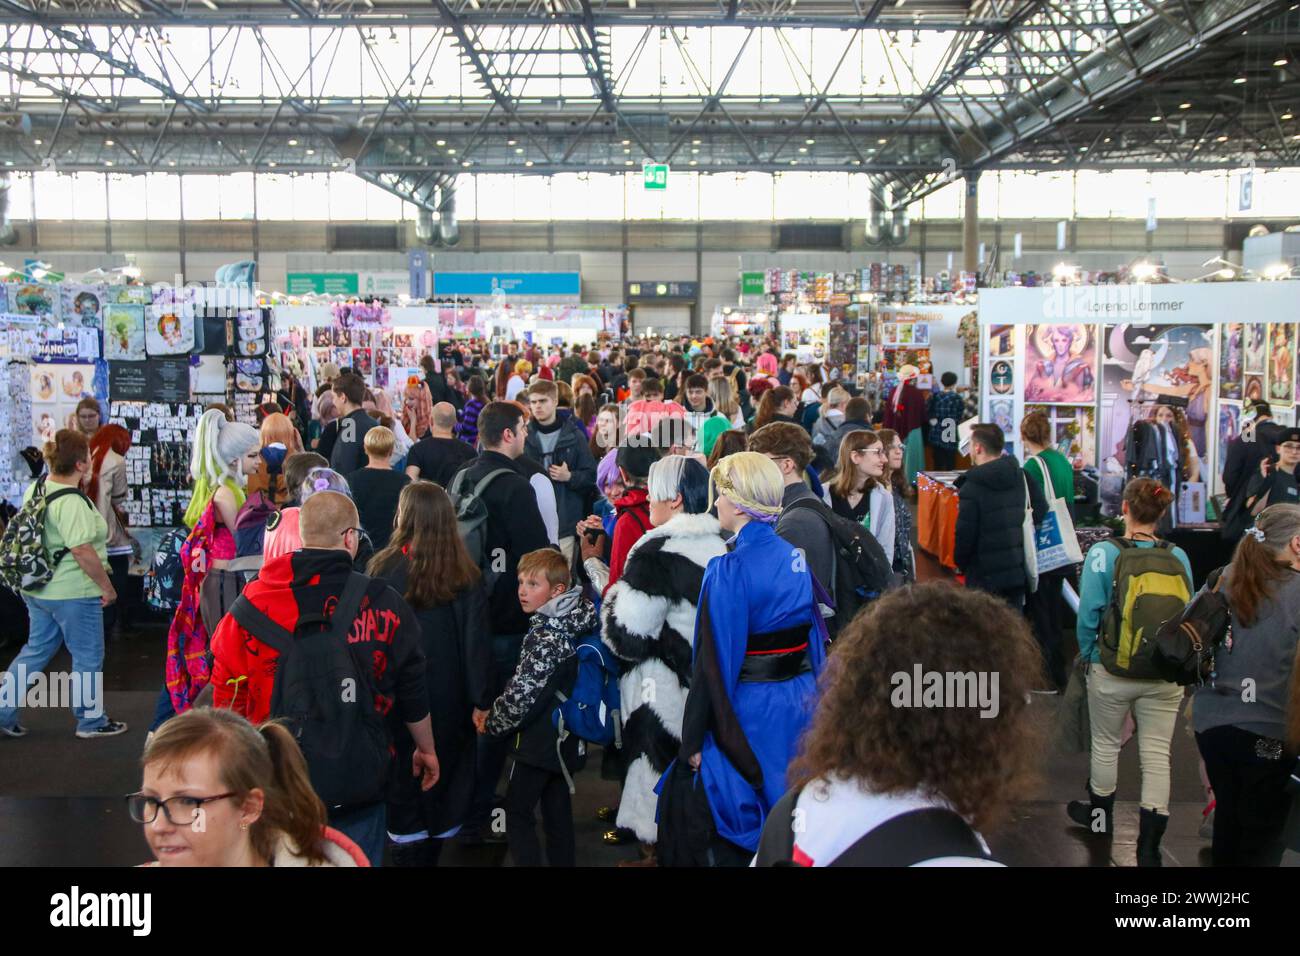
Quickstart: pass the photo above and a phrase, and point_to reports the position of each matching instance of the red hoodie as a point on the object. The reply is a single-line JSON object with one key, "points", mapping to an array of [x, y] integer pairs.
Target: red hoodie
{"points": [[633, 521], [385, 635]]}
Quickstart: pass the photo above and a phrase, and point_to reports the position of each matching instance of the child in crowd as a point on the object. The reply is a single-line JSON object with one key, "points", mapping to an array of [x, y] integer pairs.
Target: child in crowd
{"points": [[547, 667]]}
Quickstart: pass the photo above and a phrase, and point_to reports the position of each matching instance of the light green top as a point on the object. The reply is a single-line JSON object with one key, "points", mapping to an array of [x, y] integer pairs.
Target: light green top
{"points": [[70, 522]]}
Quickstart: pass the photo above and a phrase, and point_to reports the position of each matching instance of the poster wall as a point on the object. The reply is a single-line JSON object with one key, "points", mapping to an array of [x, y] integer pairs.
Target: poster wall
{"points": [[1149, 344], [807, 336]]}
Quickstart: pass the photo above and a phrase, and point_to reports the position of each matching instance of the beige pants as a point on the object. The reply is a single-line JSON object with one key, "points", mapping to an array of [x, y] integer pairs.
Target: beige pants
{"points": [[1154, 704], [566, 548]]}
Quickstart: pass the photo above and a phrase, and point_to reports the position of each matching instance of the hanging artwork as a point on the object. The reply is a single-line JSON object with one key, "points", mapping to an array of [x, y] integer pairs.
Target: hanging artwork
{"points": [[1253, 389], [128, 295], [34, 298], [83, 306], [169, 330], [1002, 411], [1256, 348], [1061, 362], [124, 332], [1000, 377], [1231, 360], [1142, 364], [1281, 363], [1002, 340], [1074, 431], [1229, 429]]}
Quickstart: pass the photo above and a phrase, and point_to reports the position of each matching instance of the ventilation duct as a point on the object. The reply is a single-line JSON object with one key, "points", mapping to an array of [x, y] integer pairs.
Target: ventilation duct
{"points": [[885, 226], [424, 229], [8, 236], [448, 227]]}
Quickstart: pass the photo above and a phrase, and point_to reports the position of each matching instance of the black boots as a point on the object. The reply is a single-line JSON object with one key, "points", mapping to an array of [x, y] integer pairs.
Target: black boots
{"points": [[1151, 827], [1097, 814]]}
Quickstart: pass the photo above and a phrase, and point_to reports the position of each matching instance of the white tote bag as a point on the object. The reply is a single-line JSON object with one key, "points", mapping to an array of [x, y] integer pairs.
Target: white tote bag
{"points": [[1030, 532], [1057, 546]]}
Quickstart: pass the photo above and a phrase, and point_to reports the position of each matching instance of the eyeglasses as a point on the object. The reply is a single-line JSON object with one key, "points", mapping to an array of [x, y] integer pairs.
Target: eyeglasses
{"points": [[144, 808], [873, 450], [346, 530], [1290, 446]]}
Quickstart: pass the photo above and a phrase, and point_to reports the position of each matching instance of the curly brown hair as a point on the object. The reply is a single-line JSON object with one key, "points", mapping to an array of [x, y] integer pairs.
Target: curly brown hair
{"points": [[979, 765]]}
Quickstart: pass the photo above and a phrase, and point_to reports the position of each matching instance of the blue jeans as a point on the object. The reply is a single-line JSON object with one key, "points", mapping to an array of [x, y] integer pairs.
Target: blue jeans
{"points": [[77, 623], [366, 827]]}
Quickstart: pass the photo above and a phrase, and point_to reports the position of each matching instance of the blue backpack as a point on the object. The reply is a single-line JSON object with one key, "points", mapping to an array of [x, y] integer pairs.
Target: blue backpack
{"points": [[593, 712]]}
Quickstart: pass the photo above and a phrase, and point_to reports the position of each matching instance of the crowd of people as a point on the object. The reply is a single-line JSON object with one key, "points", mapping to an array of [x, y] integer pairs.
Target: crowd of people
{"points": [[383, 598]]}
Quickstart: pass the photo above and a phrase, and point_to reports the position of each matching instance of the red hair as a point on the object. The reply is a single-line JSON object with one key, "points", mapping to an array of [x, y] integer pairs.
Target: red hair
{"points": [[110, 436]]}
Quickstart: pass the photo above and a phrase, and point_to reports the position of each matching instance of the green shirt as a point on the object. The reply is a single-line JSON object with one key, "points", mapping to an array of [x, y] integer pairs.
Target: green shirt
{"points": [[711, 430], [69, 523], [1062, 472]]}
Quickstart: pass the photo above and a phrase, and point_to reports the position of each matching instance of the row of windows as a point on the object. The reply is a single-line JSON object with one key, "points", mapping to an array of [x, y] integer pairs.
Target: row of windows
{"points": [[689, 196]]}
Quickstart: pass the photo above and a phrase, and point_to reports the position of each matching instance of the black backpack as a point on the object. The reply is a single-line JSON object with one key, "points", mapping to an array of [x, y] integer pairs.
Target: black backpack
{"points": [[862, 571], [325, 699], [930, 833]]}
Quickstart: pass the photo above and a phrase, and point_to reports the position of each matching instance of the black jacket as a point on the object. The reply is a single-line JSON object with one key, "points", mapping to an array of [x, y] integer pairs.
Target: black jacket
{"points": [[1241, 463], [572, 497], [991, 509], [515, 527], [349, 453], [457, 644]]}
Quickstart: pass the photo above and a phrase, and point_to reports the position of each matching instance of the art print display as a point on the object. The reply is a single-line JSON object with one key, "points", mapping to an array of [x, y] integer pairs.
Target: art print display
{"points": [[83, 306], [128, 295], [34, 298], [1232, 356], [1074, 431], [169, 330], [1001, 378], [1229, 429], [1140, 365], [1061, 363], [124, 332], [1003, 414], [321, 337], [1253, 389], [1255, 350], [1002, 341], [1281, 363]]}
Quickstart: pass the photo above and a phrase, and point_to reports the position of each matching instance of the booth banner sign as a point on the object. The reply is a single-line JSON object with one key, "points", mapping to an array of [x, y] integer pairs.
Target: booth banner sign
{"points": [[1142, 304]]}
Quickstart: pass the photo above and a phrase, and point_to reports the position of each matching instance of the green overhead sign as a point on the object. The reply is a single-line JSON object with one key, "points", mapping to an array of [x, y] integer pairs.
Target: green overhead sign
{"points": [[751, 283], [655, 175], [322, 283]]}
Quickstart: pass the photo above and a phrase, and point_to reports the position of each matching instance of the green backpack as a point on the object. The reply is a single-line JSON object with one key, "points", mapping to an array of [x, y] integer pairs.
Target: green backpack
{"points": [[1150, 587], [24, 563]]}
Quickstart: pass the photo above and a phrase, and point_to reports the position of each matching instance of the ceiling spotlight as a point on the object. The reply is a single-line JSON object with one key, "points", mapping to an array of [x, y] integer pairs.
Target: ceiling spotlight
{"points": [[273, 164], [627, 142], [518, 150], [627, 162], [510, 142], [451, 152], [108, 142], [465, 163], [311, 152], [1239, 80], [1106, 140], [695, 142], [108, 162], [1280, 61], [882, 141], [1184, 106], [293, 142], [1286, 116], [171, 162], [794, 162], [1144, 271], [528, 162], [810, 141], [441, 142], [1220, 139], [693, 150], [627, 151], [694, 162], [1278, 270], [1156, 119], [803, 149]]}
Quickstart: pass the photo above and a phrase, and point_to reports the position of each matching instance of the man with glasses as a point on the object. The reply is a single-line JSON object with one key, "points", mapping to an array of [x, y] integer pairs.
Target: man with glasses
{"points": [[296, 597], [1275, 484]]}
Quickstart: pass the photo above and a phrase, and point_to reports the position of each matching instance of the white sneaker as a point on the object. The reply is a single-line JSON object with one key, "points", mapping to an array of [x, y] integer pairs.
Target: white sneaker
{"points": [[110, 729]]}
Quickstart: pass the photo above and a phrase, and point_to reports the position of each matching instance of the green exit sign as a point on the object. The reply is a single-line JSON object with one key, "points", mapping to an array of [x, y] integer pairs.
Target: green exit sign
{"points": [[655, 175]]}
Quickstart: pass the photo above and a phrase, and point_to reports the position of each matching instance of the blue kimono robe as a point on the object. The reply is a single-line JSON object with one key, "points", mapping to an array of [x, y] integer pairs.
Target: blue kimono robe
{"points": [[760, 586]]}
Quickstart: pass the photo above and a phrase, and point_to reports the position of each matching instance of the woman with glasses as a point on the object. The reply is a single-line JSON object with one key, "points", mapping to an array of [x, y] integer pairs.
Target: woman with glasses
{"points": [[859, 491], [219, 792], [1276, 482]]}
